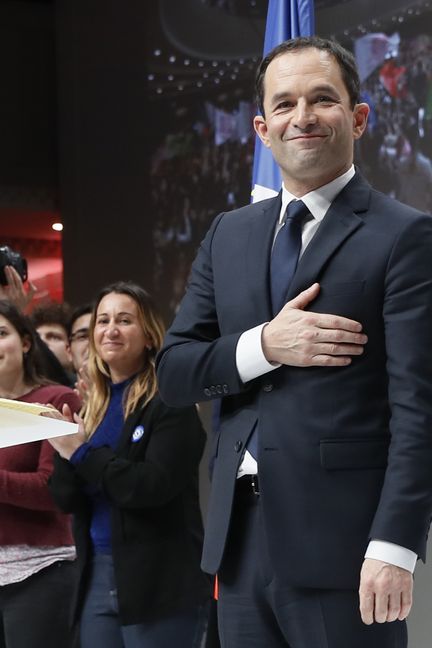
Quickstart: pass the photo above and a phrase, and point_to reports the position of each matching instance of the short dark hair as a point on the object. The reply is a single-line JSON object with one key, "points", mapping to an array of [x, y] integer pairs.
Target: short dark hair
{"points": [[343, 57], [84, 309], [51, 314]]}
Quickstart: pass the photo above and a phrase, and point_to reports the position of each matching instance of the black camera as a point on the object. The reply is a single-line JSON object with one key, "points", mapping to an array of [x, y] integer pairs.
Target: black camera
{"points": [[10, 258]]}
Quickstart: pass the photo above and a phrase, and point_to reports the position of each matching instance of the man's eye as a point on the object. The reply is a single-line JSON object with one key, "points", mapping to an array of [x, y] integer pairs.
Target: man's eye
{"points": [[79, 337], [283, 105], [324, 99]]}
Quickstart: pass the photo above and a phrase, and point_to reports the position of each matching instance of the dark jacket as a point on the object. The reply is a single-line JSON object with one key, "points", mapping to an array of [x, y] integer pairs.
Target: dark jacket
{"points": [[344, 453], [152, 484]]}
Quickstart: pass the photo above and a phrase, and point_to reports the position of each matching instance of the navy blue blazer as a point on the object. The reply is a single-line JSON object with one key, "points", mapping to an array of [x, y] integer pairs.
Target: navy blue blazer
{"points": [[345, 453]]}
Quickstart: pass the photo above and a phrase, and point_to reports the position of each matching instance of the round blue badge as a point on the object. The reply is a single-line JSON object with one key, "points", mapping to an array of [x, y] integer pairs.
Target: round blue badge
{"points": [[138, 433]]}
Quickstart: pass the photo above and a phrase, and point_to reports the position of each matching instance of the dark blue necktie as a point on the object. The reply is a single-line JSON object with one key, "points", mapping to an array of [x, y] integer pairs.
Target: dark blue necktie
{"points": [[283, 264], [286, 252]]}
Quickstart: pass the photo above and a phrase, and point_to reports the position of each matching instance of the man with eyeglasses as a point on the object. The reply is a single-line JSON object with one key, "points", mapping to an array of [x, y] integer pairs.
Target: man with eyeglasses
{"points": [[78, 331]]}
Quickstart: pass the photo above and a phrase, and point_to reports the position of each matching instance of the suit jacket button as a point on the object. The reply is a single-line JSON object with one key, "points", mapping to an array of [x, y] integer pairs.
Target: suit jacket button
{"points": [[267, 387], [207, 391], [238, 446]]}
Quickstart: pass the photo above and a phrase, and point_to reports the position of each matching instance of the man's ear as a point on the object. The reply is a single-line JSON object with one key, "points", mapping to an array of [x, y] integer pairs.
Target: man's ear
{"points": [[69, 352], [260, 127], [360, 117]]}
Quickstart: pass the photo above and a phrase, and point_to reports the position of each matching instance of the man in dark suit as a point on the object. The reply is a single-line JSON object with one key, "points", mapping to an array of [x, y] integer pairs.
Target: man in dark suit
{"points": [[322, 483]]}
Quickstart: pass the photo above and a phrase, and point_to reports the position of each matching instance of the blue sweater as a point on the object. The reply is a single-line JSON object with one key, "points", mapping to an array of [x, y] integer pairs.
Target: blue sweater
{"points": [[106, 434]]}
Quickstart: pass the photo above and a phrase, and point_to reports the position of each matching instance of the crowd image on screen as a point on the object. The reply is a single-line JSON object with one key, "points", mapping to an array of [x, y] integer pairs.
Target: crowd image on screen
{"points": [[396, 151], [203, 181], [198, 171]]}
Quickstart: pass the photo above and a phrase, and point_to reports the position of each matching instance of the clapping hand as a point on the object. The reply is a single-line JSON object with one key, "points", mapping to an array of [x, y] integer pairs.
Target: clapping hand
{"points": [[82, 384], [66, 445]]}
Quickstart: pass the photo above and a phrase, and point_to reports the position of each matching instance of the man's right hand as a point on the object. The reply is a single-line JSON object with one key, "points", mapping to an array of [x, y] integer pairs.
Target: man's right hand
{"points": [[305, 339]]}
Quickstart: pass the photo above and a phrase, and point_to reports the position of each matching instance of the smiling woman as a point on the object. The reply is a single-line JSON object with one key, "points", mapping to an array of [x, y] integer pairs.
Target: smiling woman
{"points": [[130, 479], [119, 337]]}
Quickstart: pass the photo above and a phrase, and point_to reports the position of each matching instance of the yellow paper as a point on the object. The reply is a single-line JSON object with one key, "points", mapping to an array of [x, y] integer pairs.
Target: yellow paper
{"points": [[30, 408]]}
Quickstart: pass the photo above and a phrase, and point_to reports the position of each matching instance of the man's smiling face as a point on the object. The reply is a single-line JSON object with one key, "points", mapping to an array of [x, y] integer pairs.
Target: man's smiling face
{"points": [[309, 123]]}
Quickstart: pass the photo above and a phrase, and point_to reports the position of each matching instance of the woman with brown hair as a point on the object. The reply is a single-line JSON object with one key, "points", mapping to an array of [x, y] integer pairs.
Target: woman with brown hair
{"points": [[130, 477], [37, 570]]}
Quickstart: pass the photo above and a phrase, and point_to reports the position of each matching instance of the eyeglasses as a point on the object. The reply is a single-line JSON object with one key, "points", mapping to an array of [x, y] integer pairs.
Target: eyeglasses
{"points": [[82, 335]]}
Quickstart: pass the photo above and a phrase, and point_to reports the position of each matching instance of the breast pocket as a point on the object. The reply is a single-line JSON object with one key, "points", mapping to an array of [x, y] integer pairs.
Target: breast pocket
{"points": [[354, 453], [344, 298], [342, 288]]}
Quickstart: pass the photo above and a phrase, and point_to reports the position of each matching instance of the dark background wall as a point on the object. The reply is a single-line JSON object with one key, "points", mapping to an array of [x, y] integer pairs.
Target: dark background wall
{"points": [[103, 143], [75, 137], [28, 111]]}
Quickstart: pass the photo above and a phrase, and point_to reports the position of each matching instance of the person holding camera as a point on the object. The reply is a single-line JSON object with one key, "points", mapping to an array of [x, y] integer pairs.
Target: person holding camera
{"points": [[37, 553], [13, 275]]}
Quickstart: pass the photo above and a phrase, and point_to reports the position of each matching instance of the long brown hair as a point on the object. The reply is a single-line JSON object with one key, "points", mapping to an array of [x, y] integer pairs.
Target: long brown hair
{"points": [[144, 385], [32, 362]]}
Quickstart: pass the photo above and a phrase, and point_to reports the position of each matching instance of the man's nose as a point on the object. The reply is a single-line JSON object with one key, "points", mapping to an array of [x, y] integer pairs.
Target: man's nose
{"points": [[304, 115]]}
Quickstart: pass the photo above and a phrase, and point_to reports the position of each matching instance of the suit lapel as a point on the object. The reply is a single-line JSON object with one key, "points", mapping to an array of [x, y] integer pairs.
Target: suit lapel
{"points": [[260, 239], [340, 222]]}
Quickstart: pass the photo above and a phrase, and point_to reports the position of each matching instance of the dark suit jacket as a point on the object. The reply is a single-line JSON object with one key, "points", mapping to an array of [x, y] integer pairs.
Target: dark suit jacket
{"points": [[152, 485], [345, 454]]}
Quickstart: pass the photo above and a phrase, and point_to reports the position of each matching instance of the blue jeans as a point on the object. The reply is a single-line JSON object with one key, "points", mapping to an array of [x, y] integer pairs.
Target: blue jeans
{"points": [[101, 627]]}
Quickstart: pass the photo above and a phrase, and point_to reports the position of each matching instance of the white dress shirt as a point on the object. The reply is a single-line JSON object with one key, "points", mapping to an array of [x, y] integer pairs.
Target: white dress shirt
{"points": [[252, 363]]}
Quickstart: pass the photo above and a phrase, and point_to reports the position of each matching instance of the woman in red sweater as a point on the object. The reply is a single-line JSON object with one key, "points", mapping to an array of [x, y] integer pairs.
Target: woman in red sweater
{"points": [[37, 568]]}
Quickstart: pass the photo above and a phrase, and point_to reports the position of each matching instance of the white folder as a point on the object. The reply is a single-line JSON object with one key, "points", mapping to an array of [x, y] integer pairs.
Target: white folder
{"points": [[21, 423]]}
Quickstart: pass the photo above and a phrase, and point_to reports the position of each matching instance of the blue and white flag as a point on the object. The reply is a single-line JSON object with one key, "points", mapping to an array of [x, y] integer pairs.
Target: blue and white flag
{"points": [[285, 19]]}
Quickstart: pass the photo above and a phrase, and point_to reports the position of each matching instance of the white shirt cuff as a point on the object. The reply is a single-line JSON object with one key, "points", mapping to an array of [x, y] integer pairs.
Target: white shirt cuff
{"points": [[392, 553], [250, 359]]}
